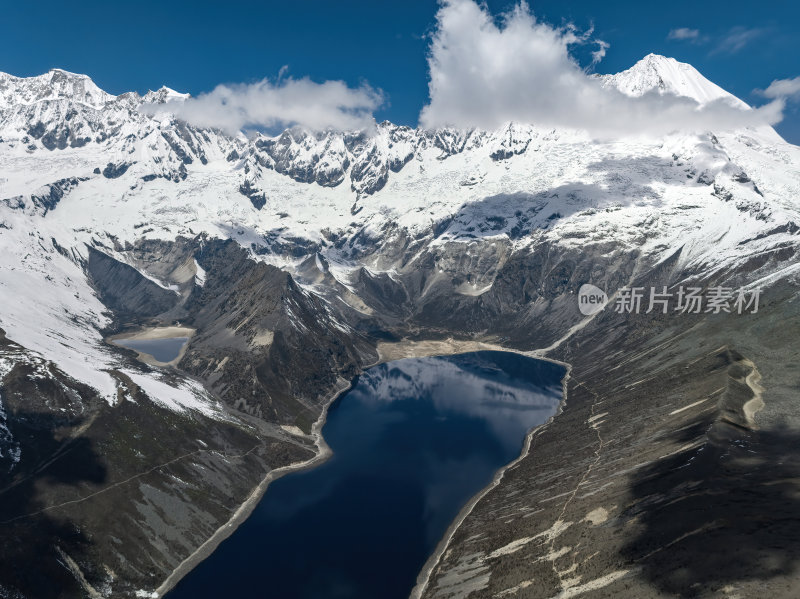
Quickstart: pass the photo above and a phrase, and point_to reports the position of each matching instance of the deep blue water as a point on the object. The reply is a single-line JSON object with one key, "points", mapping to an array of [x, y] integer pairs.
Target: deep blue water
{"points": [[412, 441], [163, 350]]}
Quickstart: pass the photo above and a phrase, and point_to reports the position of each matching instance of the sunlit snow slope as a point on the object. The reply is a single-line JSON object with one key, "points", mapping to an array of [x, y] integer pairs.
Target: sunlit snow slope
{"points": [[83, 168]]}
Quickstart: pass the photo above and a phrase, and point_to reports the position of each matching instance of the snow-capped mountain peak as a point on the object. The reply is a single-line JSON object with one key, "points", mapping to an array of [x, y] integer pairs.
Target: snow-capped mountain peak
{"points": [[54, 85], [162, 95], [656, 73]]}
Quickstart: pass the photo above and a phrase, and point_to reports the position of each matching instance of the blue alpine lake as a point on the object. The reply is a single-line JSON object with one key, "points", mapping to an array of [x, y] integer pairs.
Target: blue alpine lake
{"points": [[163, 350], [412, 442]]}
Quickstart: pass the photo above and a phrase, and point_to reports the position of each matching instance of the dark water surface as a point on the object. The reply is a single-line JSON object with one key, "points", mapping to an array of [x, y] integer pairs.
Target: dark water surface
{"points": [[412, 442], [163, 350]]}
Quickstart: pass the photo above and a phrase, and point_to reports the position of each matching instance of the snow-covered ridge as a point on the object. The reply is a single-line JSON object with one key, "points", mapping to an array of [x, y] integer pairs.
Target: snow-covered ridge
{"points": [[81, 167], [60, 110], [162, 95], [58, 84], [55, 84]]}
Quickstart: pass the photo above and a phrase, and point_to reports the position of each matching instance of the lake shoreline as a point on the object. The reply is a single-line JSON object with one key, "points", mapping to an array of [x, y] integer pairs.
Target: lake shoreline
{"points": [[152, 334], [244, 511], [409, 349], [386, 352]]}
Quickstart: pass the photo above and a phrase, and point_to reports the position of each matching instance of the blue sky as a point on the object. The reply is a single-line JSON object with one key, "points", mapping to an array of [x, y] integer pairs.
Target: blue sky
{"points": [[193, 46]]}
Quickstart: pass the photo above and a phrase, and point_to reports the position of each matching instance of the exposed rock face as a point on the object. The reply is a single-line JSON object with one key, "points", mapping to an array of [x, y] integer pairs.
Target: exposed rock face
{"points": [[257, 199], [652, 474], [264, 345], [125, 291], [293, 256], [112, 171], [120, 494], [48, 197], [123, 493]]}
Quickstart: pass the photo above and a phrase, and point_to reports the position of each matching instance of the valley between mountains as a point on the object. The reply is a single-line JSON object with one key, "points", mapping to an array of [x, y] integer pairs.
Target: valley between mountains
{"points": [[300, 259]]}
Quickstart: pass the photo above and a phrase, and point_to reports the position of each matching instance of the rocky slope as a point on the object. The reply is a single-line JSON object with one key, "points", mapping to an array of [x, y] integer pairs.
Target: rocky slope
{"points": [[292, 256]]}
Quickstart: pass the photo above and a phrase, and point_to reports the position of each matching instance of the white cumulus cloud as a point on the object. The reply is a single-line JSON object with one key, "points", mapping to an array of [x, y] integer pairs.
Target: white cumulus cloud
{"points": [[783, 88], [485, 72], [281, 103]]}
